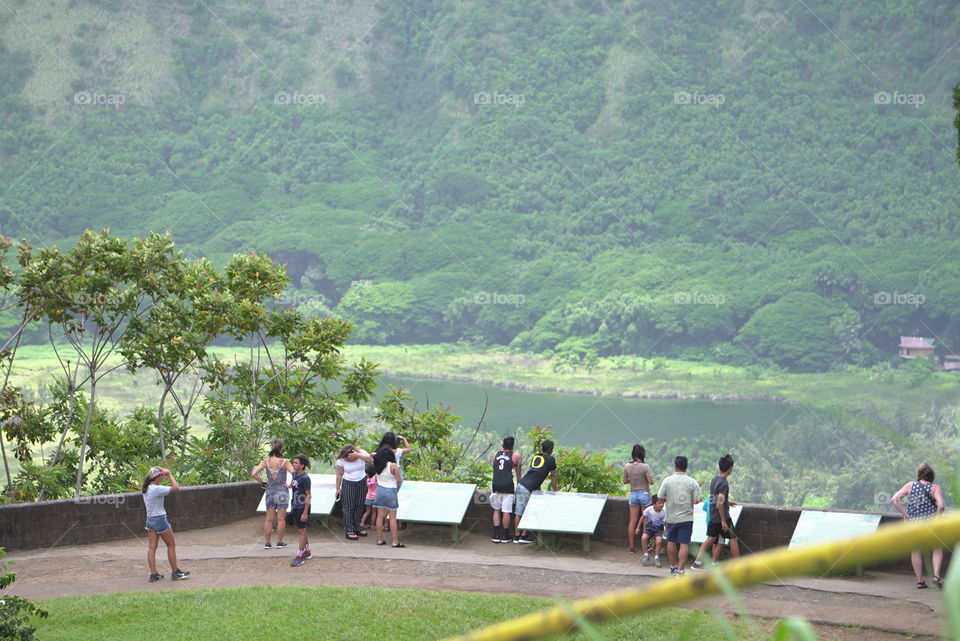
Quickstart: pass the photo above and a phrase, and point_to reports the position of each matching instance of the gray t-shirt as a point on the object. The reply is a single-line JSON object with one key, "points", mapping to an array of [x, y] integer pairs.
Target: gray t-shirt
{"points": [[153, 499], [680, 492]]}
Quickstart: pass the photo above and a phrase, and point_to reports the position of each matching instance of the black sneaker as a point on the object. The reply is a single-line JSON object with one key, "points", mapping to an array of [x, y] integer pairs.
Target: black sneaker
{"points": [[297, 561], [155, 577], [522, 539], [179, 575], [267, 546], [280, 544], [307, 554]]}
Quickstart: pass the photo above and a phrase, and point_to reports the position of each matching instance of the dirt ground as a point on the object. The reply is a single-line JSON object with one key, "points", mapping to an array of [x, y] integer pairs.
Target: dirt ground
{"points": [[875, 607]]}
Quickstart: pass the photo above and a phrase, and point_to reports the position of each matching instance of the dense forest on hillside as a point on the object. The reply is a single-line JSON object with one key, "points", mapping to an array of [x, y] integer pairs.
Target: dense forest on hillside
{"points": [[736, 181]]}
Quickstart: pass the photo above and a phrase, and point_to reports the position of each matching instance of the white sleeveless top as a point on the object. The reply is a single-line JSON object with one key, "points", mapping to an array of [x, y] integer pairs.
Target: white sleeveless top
{"points": [[386, 478]]}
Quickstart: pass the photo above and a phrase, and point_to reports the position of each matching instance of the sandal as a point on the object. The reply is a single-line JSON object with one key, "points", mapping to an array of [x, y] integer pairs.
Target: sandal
{"points": [[921, 585], [398, 545], [362, 533], [381, 542], [352, 536]]}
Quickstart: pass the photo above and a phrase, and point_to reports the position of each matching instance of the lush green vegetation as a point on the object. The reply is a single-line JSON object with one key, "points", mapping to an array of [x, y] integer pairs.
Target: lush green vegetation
{"points": [[342, 613], [745, 183]]}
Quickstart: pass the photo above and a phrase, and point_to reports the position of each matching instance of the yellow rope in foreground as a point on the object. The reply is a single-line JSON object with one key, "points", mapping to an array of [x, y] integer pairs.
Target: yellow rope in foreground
{"points": [[889, 542]]}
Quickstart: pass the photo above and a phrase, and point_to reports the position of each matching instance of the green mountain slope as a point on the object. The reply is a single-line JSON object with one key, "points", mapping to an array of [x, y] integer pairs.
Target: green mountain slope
{"points": [[625, 177]]}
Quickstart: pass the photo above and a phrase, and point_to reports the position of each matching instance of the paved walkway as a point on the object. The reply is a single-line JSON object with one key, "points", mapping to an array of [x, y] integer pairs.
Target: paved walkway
{"points": [[233, 555]]}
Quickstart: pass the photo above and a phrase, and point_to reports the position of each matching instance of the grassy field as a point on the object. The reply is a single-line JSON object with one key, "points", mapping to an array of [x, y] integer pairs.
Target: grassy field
{"points": [[328, 613]]}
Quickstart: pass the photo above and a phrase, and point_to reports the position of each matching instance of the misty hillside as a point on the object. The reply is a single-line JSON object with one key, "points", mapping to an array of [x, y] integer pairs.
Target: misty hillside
{"points": [[712, 179]]}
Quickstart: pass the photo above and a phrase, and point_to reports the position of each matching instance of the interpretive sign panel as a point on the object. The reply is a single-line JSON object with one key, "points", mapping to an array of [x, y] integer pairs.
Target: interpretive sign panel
{"points": [[425, 502], [563, 512], [820, 527], [323, 494]]}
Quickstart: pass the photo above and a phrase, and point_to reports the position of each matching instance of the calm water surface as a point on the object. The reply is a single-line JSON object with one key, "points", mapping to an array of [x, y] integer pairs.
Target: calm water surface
{"points": [[597, 422]]}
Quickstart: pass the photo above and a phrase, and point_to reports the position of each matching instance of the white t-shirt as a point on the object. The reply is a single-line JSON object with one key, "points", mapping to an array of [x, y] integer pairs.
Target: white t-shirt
{"points": [[153, 499], [353, 470]]}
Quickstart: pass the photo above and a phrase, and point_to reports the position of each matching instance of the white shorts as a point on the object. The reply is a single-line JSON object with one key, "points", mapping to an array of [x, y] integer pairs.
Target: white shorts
{"points": [[502, 502]]}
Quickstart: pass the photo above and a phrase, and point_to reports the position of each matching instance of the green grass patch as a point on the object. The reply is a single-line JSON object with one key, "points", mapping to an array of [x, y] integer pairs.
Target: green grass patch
{"points": [[329, 613]]}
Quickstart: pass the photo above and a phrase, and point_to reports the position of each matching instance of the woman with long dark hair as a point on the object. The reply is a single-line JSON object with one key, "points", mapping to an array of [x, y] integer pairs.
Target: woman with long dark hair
{"points": [[637, 474], [352, 487], [277, 497], [157, 526], [388, 482]]}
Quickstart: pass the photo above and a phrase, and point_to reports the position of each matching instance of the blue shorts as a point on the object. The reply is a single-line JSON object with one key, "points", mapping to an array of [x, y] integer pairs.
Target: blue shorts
{"points": [[653, 530], [640, 497], [521, 497], [386, 498], [368, 501], [158, 524], [680, 532]]}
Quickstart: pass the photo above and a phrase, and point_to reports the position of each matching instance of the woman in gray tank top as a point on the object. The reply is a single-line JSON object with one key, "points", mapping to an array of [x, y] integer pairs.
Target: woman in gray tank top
{"points": [[277, 497]]}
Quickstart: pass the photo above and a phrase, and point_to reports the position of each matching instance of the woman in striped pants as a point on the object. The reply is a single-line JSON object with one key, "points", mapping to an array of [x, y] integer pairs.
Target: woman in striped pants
{"points": [[352, 487]]}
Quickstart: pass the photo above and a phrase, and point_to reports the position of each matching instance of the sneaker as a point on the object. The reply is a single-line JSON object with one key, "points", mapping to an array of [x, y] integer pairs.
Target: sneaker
{"points": [[522, 539], [632, 550], [656, 562], [267, 546], [937, 581], [297, 561], [679, 574], [280, 544], [307, 554], [506, 540], [673, 569], [155, 577], [645, 560], [697, 565], [494, 539], [179, 575], [516, 539]]}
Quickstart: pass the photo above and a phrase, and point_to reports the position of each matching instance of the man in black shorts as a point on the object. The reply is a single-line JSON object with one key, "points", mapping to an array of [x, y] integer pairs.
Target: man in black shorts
{"points": [[541, 465], [720, 526], [299, 513]]}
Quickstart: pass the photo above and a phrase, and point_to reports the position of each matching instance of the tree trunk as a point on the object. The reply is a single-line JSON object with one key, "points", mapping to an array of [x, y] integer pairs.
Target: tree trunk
{"points": [[6, 465], [163, 399], [86, 428]]}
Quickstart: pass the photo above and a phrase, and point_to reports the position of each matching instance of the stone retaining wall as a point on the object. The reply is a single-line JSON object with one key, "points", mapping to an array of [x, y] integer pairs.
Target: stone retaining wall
{"points": [[106, 518]]}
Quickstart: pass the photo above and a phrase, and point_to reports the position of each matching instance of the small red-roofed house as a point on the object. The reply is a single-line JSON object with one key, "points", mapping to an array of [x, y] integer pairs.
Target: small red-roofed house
{"points": [[915, 347]]}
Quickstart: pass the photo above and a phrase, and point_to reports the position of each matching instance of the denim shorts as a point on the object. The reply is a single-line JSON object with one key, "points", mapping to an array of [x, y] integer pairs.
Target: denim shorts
{"points": [[158, 524], [640, 497], [521, 497], [386, 498]]}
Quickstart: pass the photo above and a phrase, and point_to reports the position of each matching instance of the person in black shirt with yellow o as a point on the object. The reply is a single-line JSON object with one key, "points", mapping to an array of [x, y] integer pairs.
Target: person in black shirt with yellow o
{"points": [[541, 465]]}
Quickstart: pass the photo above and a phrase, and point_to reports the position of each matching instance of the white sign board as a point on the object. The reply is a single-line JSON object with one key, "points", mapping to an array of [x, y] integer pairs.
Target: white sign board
{"points": [[425, 502], [323, 494], [567, 512], [700, 523], [820, 527]]}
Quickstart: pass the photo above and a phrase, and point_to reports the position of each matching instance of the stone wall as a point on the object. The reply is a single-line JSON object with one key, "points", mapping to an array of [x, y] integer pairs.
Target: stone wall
{"points": [[106, 518]]}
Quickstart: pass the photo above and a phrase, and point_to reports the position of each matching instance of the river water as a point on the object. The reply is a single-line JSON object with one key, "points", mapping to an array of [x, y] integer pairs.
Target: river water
{"points": [[597, 422]]}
